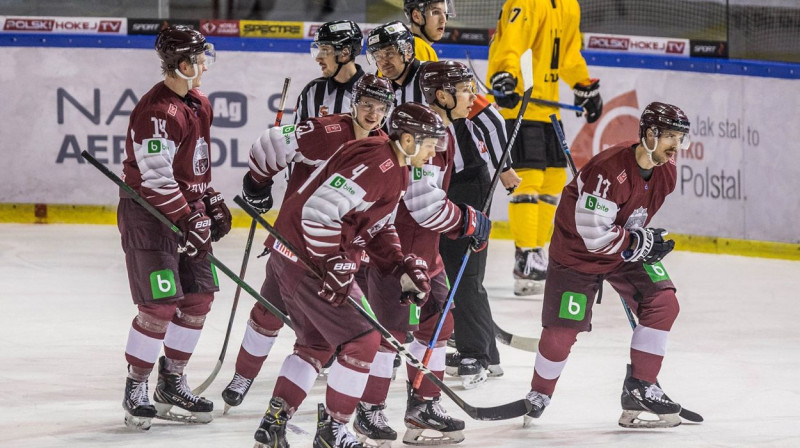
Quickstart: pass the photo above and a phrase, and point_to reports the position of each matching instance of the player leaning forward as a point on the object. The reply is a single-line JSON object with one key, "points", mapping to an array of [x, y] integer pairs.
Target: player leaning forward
{"points": [[601, 234], [169, 165], [345, 207]]}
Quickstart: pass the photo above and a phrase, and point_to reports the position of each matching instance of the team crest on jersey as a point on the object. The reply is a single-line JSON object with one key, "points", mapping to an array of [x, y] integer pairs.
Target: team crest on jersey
{"points": [[333, 128], [386, 166], [482, 147], [323, 110], [622, 177], [200, 160], [173, 109], [637, 219]]}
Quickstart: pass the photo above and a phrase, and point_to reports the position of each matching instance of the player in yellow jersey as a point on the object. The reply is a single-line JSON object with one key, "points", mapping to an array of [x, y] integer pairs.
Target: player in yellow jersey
{"points": [[551, 29], [428, 19]]}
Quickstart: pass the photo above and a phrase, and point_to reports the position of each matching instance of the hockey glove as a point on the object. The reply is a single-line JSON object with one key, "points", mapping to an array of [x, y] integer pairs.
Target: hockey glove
{"points": [[648, 245], [414, 280], [588, 97], [503, 83], [219, 214], [196, 228], [338, 279], [476, 225], [258, 196]]}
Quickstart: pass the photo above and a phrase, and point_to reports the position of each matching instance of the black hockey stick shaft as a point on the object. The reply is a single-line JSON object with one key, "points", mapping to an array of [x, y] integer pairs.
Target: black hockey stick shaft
{"points": [[562, 141], [158, 215], [502, 412]]}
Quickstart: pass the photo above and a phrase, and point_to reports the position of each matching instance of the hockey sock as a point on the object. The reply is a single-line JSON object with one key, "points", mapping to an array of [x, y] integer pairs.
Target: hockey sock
{"points": [[554, 348], [184, 330], [348, 375], [295, 379], [380, 377], [256, 345], [144, 343], [549, 193], [523, 208], [649, 340]]}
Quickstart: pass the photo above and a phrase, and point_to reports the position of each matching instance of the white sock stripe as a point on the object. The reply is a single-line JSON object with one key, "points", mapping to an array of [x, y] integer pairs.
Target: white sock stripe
{"points": [[347, 381], [436, 362], [142, 346], [417, 349], [382, 365], [299, 372], [181, 338], [547, 369], [650, 340], [256, 343]]}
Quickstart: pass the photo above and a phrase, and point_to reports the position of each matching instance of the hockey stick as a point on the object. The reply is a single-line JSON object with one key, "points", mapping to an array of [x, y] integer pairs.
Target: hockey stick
{"points": [[158, 215], [526, 64], [503, 412], [562, 141], [204, 385], [487, 90], [512, 340]]}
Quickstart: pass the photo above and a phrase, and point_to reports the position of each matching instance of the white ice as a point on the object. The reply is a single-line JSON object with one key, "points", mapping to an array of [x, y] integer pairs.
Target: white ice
{"points": [[65, 313]]}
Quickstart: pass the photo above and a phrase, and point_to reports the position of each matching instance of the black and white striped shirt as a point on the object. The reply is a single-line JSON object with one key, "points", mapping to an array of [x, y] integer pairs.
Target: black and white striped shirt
{"points": [[409, 90], [480, 140], [325, 96]]}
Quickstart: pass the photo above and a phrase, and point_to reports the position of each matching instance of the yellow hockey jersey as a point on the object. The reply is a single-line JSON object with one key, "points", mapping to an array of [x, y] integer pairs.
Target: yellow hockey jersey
{"points": [[551, 28], [423, 50]]}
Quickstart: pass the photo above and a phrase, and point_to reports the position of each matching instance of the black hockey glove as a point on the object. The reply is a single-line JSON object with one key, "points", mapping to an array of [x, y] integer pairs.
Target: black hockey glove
{"points": [[339, 274], [414, 280], [503, 83], [259, 197], [476, 225], [196, 228], [588, 97], [219, 214], [648, 245]]}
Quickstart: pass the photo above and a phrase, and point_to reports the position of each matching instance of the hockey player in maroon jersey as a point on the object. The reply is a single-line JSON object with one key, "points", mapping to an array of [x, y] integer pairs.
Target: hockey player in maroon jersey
{"points": [[168, 163], [347, 205], [601, 233], [422, 216], [309, 145]]}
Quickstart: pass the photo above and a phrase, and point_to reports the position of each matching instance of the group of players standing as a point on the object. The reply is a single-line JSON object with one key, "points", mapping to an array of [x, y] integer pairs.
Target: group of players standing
{"points": [[388, 175]]}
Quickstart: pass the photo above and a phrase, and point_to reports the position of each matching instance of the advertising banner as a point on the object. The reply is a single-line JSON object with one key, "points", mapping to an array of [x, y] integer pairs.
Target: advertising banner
{"points": [[636, 44], [154, 26], [266, 28], [63, 25]]}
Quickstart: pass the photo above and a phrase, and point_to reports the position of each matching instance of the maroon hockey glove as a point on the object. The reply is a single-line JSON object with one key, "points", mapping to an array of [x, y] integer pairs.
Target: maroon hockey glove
{"points": [[414, 280], [648, 246], [196, 228], [338, 279], [588, 97], [219, 214], [476, 225]]}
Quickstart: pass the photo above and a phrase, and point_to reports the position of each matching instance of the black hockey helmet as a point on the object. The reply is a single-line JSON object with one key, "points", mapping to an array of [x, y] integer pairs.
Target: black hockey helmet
{"points": [[442, 75], [418, 120], [340, 34], [421, 5], [178, 43], [663, 116], [394, 34], [374, 87]]}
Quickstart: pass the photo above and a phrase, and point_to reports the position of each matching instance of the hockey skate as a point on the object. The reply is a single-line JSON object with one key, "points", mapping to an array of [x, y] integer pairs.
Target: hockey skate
{"points": [[173, 390], [138, 409], [451, 362], [495, 371], [472, 373], [372, 427], [333, 434], [235, 391], [538, 402], [639, 397], [530, 271], [271, 432], [428, 415]]}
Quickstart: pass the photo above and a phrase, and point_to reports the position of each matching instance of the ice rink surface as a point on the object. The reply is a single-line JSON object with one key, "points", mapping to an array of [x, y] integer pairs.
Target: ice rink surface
{"points": [[65, 311]]}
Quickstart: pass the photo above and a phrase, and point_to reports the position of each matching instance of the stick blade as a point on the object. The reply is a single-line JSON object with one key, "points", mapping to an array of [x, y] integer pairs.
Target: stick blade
{"points": [[526, 66]]}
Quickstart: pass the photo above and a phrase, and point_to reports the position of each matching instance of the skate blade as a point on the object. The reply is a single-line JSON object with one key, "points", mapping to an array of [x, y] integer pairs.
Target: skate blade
{"points": [[137, 423], [527, 421], [416, 436], [226, 409], [524, 287], [633, 419], [495, 371], [473, 381], [164, 412], [372, 443]]}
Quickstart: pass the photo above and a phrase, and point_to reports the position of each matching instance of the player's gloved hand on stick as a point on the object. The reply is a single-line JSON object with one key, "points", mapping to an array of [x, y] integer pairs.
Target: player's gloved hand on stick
{"points": [[338, 279], [414, 281], [503, 83], [588, 97], [196, 228], [258, 196], [648, 245], [476, 225], [219, 214]]}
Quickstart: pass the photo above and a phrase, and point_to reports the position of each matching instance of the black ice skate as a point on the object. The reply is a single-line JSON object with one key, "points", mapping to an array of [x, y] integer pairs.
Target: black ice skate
{"points": [[138, 409], [172, 390], [538, 402], [333, 434], [271, 432], [371, 425], [235, 391], [530, 271], [428, 414], [472, 373], [639, 397], [451, 362]]}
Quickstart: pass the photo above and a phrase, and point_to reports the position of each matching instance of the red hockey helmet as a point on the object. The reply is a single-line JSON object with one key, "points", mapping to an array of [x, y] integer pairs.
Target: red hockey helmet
{"points": [[178, 43], [442, 75], [418, 120], [374, 87], [662, 116]]}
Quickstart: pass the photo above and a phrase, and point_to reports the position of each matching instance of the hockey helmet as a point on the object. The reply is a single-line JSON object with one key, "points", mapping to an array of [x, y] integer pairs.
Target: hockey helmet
{"points": [[442, 75], [394, 34], [374, 87], [418, 120], [178, 43], [421, 5], [340, 34], [662, 116]]}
